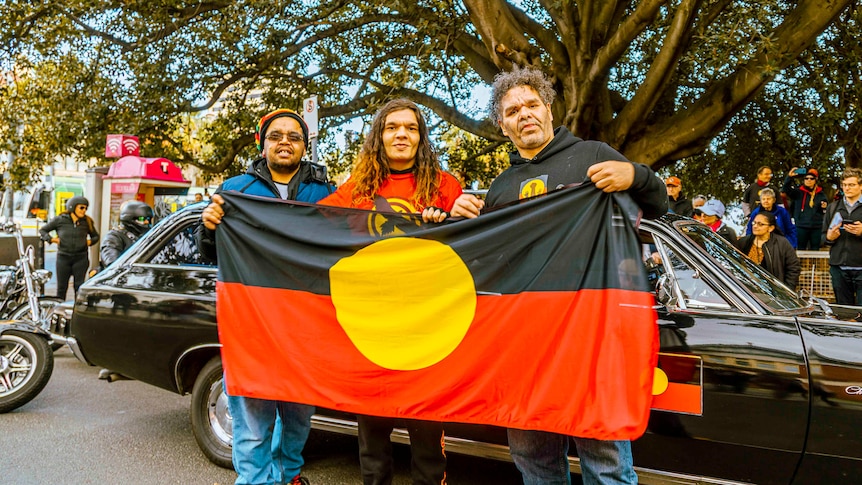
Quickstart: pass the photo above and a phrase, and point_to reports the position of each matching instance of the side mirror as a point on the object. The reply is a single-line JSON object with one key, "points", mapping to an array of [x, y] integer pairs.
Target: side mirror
{"points": [[664, 291]]}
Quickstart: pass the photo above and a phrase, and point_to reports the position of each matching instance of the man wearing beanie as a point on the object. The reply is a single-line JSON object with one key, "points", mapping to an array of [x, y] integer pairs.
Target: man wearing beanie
{"points": [[268, 436]]}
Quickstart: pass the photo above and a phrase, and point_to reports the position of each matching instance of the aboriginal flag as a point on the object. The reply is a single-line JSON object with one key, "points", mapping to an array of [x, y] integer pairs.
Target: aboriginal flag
{"points": [[533, 316]]}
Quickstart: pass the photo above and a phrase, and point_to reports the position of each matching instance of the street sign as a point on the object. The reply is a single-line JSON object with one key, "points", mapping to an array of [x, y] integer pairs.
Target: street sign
{"points": [[309, 114]]}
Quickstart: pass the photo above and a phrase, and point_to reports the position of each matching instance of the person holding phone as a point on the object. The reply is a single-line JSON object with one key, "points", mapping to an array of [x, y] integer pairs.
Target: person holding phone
{"points": [[842, 228]]}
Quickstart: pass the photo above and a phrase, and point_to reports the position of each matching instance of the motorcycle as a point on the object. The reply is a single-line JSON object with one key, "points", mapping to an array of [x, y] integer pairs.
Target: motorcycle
{"points": [[26, 356], [22, 287], [26, 363]]}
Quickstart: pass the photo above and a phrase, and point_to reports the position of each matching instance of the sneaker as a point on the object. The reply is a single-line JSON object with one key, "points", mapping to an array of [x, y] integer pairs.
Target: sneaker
{"points": [[299, 480]]}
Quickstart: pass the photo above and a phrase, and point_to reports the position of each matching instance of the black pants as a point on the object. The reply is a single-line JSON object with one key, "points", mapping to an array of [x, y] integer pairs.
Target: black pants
{"points": [[428, 460], [808, 238], [71, 265]]}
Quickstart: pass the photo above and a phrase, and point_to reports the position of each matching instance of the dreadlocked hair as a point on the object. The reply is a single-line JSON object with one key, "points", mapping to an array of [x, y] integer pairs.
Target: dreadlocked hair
{"points": [[372, 165]]}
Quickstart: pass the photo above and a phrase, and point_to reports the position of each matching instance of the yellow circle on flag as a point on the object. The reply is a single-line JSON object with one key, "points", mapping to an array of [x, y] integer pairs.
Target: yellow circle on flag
{"points": [[405, 303], [659, 382]]}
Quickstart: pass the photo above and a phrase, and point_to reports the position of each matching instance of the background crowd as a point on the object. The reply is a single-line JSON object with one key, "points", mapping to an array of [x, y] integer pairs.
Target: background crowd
{"points": [[798, 215]]}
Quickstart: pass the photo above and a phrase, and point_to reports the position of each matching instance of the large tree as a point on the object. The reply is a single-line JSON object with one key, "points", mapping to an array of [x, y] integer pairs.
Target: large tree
{"points": [[657, 79]]}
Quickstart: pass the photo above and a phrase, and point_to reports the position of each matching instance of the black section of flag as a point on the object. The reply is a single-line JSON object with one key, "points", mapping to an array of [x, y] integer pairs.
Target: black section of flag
{"points": [[567, 240]]}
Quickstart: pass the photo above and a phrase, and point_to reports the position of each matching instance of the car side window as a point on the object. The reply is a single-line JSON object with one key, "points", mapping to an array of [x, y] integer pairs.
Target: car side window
{"points": [[180, 250], [696, 291]]}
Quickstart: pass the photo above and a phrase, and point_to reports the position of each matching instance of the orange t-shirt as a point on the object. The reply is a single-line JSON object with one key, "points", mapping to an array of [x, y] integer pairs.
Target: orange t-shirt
{"points": [[397, 191]]}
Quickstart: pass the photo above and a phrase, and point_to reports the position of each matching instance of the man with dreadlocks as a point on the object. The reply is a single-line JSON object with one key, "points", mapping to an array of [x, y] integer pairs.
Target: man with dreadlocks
{"points": [[398, 171]]}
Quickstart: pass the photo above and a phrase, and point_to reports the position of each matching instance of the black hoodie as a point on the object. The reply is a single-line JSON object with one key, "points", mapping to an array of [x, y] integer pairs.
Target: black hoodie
{"points": [[565, 161]]}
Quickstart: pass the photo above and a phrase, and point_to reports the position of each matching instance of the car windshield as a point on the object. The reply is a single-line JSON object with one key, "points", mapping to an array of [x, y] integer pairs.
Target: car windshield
{"points": [[764, 286]]}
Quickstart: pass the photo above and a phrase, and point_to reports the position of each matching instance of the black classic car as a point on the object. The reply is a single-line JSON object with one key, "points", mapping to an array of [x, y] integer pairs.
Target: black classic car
{"points": [[761, 386]]}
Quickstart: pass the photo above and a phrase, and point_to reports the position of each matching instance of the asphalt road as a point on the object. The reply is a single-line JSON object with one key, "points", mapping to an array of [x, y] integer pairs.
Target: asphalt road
{"points": [[81, 430]]}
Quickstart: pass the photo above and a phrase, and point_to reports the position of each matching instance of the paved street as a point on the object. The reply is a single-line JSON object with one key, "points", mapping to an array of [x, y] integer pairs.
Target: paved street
{"points": [[80, 430]]}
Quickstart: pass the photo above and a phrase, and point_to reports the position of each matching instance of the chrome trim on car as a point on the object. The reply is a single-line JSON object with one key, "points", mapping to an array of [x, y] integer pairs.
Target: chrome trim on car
{"points": [[182, 356], [76, 350], [499, 452]]}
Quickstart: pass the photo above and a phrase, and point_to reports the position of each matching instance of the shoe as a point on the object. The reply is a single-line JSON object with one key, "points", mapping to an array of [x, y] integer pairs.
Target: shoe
{"points": [[299, 480]]}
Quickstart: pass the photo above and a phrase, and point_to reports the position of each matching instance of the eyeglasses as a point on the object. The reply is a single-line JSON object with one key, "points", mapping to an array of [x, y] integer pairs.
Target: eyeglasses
{"points": [[671, 185], [810, 178], [760, 224], [292, 137]]}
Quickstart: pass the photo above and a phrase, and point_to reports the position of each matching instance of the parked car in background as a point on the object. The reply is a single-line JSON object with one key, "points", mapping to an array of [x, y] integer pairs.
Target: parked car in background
{"points": [[761, 385]]}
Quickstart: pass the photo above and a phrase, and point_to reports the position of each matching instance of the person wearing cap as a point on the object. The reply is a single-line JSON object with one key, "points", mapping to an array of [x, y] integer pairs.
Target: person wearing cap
{"points": [[76, 232], [768, 203], [809, 205], [676, 201], [268, 436], [751, 196], [711, 214]]}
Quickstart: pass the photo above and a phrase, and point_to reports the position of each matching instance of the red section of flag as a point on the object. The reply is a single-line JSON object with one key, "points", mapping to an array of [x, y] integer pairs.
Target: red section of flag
{"points": [[577, 363], [684, 393], [681, 398]]}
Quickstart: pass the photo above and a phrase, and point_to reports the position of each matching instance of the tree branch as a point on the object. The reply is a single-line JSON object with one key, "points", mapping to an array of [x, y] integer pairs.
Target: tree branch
{"points": [[658, 75], [706, 117]]}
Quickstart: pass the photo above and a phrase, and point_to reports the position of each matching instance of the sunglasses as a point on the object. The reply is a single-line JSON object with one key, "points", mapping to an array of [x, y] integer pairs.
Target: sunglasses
{"points": [[810, 178]]}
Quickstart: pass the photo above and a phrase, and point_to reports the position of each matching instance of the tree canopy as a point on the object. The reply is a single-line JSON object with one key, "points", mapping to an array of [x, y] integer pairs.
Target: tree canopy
{"points": [[656, 79]]}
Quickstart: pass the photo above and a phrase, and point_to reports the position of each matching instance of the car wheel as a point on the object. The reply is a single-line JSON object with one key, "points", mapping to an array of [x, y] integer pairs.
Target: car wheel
{"points": [[26, 364], [211, 421], [46, 304]]}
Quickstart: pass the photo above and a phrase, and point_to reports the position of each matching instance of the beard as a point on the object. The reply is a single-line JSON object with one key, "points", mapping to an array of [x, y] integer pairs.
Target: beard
{"points": [[283, 166]]}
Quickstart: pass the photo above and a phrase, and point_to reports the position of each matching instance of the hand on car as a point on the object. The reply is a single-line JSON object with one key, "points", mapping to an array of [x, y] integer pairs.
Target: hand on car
{"points": [[467, 205], [612, 175], [212, 215]]}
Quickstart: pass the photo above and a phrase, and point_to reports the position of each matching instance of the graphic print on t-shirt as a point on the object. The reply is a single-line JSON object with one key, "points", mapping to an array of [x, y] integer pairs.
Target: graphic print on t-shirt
{"points": [[381, 224], [534, 186]]}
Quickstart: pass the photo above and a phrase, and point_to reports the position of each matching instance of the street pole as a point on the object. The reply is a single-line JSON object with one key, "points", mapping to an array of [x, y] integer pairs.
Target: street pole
{"points": [[309, 114]]}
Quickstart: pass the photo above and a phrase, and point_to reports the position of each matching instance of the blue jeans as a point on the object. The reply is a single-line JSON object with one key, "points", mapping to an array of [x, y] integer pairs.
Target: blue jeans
{"points": [[542, 459], [268, 437], [847, 285]]}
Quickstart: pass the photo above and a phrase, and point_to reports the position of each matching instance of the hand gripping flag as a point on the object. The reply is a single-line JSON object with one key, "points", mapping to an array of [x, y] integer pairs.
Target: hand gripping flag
{"points": [[534, 316]]}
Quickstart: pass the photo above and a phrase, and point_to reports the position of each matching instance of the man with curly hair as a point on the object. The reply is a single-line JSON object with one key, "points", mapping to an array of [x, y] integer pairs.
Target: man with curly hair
{"points": [[548, 159], [397, 171]]}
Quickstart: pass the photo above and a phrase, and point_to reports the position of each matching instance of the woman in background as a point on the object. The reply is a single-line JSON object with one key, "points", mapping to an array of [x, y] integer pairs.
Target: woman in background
{"points": [[768, 248], [76, 232]]}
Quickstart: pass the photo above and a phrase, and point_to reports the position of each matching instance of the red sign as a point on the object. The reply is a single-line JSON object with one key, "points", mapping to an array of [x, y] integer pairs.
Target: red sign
{"points": [[125, 188], [119, 146]]}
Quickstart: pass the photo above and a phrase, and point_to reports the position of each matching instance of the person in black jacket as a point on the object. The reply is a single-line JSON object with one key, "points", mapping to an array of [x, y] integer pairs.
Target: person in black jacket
{"points": [[677, 203], [136, 218], [809, 204], [842, 227], [768, 248], [547, 159], [76, 232]]}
